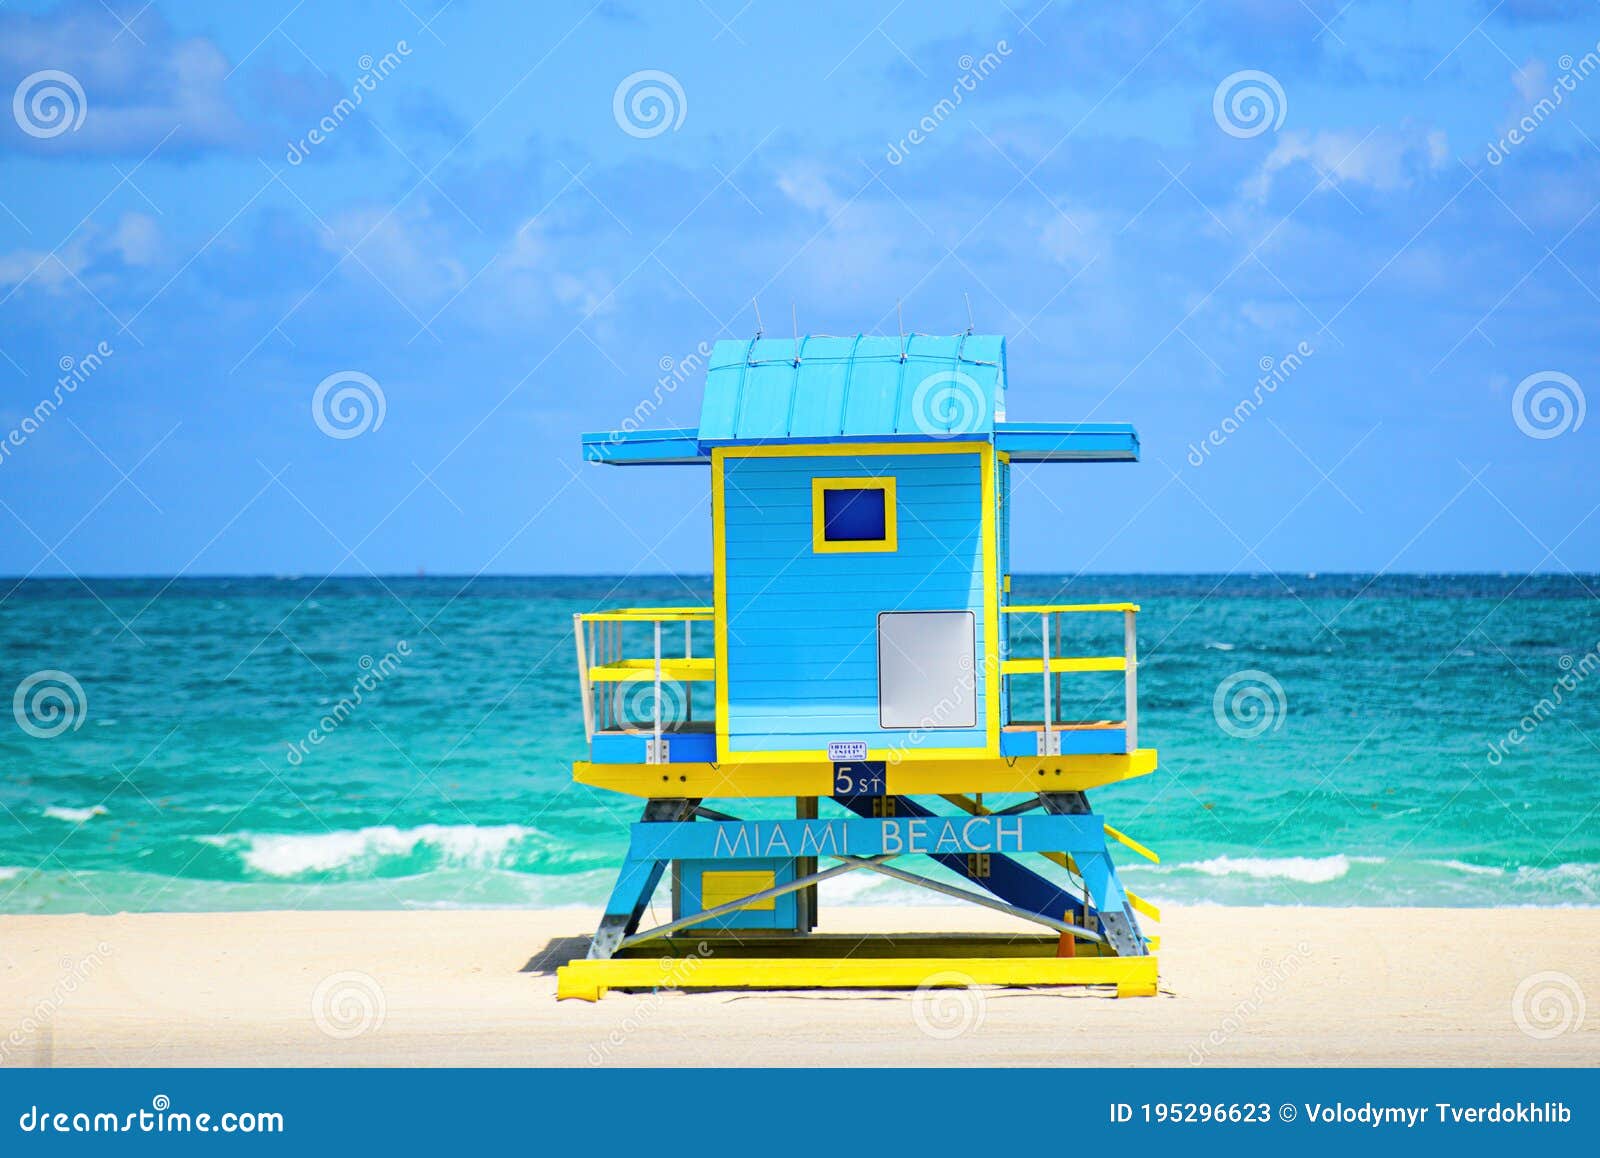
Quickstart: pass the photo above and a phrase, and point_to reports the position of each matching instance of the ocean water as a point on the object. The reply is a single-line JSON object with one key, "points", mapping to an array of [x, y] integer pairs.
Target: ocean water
{"points": [[1377, 741]]}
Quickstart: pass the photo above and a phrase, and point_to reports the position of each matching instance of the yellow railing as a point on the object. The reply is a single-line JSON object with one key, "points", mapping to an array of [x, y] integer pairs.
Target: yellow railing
{"points": [[1050, 666], [649, 615], [601, 660]]}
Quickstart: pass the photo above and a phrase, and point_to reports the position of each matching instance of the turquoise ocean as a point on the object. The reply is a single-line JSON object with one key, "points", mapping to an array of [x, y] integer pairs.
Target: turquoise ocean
{"points": [[1394, 740]]}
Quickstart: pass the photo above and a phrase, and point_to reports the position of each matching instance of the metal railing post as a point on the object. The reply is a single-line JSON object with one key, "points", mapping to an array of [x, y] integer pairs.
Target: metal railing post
{"points": [[658, 688], [688, 686], [579, 631], [1044, 645], [613, 652], [1057, 618]]}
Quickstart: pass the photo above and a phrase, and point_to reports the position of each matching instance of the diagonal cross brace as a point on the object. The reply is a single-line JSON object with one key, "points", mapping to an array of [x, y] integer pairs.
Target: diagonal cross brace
{"points": [[1101, 882], [637, 882]]}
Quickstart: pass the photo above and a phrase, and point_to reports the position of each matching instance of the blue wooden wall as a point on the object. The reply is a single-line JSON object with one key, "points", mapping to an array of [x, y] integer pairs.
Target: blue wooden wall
{"points": [[802, 627]]}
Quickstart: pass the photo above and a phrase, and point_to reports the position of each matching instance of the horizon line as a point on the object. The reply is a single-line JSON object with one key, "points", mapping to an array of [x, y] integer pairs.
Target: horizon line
{"points": [[288, 577]]}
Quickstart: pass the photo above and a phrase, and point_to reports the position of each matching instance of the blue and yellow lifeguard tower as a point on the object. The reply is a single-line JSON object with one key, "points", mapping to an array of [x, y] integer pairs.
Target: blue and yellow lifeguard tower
{"points": [[861, 667]]}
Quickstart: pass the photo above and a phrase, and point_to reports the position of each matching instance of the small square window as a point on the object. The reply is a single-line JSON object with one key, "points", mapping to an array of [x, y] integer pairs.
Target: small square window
{"points": [[852, 514]]}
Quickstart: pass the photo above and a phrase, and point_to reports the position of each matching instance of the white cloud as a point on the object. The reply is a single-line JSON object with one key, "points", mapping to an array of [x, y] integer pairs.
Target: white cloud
{"points": [[807, 186], [527, 278], [1532, 82], [140, 89], [133, 242], [1074, 237], [589, 292], [137, 239], [1385, 160], [1274, 317], [411, 254]]}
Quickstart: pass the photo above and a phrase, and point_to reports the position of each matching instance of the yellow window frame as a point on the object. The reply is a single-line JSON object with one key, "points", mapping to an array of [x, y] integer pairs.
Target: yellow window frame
{"points": [[821, 545]]}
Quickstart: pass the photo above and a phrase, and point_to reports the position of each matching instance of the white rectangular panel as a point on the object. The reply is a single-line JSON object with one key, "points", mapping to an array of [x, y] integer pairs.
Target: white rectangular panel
{"points": [[926, 675]]}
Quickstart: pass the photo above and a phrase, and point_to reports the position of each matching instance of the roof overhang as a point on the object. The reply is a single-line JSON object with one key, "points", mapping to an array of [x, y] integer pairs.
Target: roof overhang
{"points": [[645, 447], [1022, 441], [1067, 441]]}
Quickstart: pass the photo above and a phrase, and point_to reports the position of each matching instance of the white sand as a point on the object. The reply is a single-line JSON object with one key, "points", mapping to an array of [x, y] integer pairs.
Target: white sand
{"points": [[1240, 987]]}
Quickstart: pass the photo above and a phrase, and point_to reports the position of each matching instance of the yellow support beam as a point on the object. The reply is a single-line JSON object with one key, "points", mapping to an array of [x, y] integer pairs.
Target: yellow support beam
{"points": [[589, 980], [1124, 839], [675, 668], [649, 615], [1140, 905], [1064, 663], [1068, 608], [814, 777]]}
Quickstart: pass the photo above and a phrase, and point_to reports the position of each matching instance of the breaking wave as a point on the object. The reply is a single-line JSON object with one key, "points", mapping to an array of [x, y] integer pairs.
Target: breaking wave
{"points": [[385, 850], [1310, 870], [74, 815]]}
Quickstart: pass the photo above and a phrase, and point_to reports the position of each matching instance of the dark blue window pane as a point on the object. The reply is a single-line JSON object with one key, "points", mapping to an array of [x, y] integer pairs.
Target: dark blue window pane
{"points": [[853, 516]]}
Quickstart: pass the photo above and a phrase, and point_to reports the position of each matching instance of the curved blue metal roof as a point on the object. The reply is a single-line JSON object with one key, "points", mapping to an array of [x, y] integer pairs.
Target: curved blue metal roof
{"points": [[917, 387], [821, 389]]}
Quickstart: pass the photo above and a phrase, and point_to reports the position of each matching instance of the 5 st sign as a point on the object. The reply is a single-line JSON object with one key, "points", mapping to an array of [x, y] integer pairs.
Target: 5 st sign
{"points": [[860, 779]]}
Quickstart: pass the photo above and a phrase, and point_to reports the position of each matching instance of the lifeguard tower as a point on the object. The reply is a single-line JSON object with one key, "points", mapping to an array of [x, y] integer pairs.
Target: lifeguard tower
{"points": [[862, 695]]}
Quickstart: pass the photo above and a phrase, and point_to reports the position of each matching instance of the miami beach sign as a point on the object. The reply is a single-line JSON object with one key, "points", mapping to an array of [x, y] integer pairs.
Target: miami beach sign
{"points": [[894, 836]]}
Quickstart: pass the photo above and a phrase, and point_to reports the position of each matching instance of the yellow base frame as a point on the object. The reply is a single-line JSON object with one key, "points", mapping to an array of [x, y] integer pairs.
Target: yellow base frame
{"points": [[589, 980], [814, 777]]}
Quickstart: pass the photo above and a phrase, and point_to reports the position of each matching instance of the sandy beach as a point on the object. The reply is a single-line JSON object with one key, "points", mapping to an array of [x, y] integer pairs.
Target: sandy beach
{"points": [[1239, 986]]}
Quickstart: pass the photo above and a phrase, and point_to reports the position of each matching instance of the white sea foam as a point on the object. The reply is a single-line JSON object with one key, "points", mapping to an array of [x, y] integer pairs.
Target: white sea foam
{"points": [[1461, 866], [1579, 877], [74, 815], [290, 854], [872, 889], [1220, 646], [1310, 870], [7, 872]]}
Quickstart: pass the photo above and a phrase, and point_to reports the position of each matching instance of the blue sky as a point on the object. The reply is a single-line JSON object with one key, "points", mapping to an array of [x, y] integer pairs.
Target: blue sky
{"points": [[512, 254]]}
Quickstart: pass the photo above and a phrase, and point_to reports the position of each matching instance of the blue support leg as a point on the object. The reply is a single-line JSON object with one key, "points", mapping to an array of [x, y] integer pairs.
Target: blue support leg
{"points": [[636, 883], [1117, 920]]}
